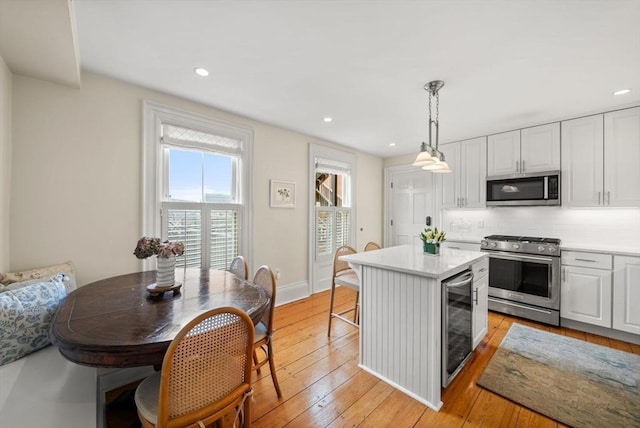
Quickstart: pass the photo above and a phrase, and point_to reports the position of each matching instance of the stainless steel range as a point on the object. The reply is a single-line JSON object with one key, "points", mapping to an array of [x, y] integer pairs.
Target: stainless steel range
{"points": [[524, 276]]}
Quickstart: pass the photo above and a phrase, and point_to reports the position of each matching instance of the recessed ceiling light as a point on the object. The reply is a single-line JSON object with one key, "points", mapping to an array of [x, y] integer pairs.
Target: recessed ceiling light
{"points": [[201, 71], [622, 92], [392, 144], [327, 119]]}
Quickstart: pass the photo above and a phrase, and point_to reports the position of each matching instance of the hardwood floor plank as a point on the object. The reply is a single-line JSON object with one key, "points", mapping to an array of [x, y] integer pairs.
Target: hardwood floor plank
{"points": [[491, 410], [530, 419], [363, 407], [397, 410]]}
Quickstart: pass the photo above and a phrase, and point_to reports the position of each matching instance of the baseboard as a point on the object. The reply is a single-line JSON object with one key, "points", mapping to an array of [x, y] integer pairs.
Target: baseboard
{"points": [[601, 331], [291, 292]]}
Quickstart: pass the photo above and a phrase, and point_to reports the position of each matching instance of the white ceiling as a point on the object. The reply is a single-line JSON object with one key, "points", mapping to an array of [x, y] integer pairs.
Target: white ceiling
{"points": [[506, 64]]}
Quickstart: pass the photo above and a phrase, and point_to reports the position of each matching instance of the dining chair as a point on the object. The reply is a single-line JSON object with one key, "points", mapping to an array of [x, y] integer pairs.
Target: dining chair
{"points": [[372, 246], [239, 267], [206, 374], [264, 329], [343, 275]]}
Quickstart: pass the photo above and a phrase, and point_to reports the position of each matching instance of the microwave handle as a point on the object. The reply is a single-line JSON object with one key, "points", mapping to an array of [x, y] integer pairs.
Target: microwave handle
{"points": [[546, 187]]}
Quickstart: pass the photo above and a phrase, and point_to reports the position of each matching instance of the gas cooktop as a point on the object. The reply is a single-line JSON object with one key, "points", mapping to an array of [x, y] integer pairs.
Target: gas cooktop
{"points": [[521, 244]]}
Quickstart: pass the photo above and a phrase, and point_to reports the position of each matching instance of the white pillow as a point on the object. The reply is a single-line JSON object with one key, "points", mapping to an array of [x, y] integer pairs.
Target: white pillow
{"points": [[25, 317]]}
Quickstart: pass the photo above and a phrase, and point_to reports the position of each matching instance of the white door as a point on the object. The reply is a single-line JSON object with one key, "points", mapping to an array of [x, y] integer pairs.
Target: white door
{"points": [[411, 199]]}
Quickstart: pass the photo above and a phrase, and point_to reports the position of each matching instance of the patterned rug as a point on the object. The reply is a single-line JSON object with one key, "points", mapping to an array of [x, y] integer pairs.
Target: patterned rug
{"points": [[574, 382]]}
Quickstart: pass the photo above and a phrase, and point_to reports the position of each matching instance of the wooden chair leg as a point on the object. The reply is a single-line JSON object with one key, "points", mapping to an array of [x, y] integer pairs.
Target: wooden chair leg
{"points": [[272, 367], [255, 361], [333, 290], [356, 308]]}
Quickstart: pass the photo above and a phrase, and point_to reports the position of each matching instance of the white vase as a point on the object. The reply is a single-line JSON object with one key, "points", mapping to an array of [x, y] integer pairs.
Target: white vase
{"points": [[166, 271]]}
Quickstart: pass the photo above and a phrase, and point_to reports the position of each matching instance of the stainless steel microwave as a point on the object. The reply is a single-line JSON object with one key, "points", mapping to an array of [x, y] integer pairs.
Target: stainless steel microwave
{"points": [[541, 188]]}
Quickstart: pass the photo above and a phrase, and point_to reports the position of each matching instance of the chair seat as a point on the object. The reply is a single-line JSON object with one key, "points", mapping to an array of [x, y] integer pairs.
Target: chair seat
{"points": [[260, 332], [349, 279], [146, 397]]}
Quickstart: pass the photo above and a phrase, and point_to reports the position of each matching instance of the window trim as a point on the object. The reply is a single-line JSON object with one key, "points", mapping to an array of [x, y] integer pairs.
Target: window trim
{"points": [[153, 115]]}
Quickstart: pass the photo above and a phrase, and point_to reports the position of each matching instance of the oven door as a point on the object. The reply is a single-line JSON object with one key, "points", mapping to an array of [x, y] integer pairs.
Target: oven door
{"points": [[524, 278]]}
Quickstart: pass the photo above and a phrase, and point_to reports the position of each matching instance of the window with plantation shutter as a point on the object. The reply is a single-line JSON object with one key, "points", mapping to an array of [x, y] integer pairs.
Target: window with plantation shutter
{"points": [[200, 184]]}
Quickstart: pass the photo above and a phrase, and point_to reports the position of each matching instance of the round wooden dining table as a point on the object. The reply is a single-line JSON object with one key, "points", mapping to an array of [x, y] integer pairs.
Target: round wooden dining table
{"points": [[116, 323]]}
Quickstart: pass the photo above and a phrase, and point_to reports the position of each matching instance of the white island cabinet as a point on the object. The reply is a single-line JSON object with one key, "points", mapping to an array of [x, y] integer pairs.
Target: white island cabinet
{"points": [[401, 315]]}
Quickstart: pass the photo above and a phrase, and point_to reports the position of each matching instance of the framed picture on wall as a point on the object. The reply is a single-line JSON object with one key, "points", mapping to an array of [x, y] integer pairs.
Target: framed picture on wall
{"points": [[283, 194]]}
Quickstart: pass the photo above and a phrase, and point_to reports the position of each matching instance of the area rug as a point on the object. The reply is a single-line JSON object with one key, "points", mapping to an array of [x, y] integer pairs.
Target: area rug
{"points": [[578, 383]]}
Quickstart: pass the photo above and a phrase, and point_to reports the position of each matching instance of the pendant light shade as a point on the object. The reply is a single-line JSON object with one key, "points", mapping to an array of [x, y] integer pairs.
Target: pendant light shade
{"points": [[424, 157]]}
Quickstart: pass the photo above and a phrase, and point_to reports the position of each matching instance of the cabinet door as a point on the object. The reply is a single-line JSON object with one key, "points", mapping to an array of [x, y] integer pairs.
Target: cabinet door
{"points": [[473, 167], [585, 295], [450, 183], [503, 153], [626, 294], [540, 148], [480, 309], [622, 158], [582, 161]]}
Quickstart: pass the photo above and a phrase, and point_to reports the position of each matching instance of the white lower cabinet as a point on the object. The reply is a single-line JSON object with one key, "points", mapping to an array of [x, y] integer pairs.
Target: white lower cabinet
{"points": [[480, 301], [626, 294], [585, 292]]}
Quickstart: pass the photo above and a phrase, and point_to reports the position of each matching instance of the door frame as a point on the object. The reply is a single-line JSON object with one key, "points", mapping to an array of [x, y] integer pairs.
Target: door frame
{"points": [[316, 150], [388, 173]]}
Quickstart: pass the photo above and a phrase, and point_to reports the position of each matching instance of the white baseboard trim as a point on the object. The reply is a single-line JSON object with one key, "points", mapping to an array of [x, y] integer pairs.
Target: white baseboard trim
{"points": [[292, 292], [601, 331]]}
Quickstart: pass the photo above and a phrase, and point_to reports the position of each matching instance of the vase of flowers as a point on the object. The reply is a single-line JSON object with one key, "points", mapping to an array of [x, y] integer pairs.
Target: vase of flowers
{"points": [[166, 252], [431, 240]]}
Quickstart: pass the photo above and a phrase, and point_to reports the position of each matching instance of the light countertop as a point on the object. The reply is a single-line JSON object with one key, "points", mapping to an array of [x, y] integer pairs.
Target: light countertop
{"points": [[411, 259], [615, 249]]}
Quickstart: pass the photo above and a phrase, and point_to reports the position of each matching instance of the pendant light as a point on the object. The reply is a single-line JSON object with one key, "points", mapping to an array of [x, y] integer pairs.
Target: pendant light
{"points": [[430, 158]]}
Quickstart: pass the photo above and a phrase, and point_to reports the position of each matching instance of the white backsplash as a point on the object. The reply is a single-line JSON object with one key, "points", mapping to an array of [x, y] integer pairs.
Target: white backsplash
{"points": [[613, 226]]}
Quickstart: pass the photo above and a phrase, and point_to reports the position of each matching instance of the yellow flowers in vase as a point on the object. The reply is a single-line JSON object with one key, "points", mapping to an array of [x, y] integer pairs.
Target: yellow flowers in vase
{"points": [[431, 240]]}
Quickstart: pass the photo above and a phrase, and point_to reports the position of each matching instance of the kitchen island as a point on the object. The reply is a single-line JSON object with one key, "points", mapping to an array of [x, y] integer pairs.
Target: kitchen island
{"points": [[401, 314]]}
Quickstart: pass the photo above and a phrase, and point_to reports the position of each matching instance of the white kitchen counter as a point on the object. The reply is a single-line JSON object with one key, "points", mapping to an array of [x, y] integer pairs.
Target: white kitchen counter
{"points": [[618, 250], [411, 259], [401, 315]]}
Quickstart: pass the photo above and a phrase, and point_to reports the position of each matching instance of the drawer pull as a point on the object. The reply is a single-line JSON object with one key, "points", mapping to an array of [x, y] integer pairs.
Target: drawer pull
{"points": [[482, 270], [586, 260], [454, 248]]}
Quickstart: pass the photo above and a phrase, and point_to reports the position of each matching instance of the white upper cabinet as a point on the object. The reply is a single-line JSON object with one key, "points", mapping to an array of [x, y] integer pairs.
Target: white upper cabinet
{"points": [[535, 149], [582, 161], [503, 153], [622, 158], [465, 186], [540, 148], [601, 160]]}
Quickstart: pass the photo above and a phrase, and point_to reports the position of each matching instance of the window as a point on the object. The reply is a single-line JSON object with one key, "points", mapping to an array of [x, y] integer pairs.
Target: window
{"points": [[332, 206], [198, 175]]}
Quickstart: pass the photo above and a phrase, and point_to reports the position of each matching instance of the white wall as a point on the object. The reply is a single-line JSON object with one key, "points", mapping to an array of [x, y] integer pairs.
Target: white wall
{"points": [[6, 97], [369, 208], [609, 227], [77, 174]]}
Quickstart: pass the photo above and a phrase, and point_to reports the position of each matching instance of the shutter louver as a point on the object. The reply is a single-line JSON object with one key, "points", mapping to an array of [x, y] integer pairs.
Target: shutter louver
{"points": [[324, 232], [186, 226], [343, 227], [223, 238]]}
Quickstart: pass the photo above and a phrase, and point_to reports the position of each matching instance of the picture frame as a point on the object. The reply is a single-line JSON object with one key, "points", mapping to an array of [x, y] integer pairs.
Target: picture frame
{"points": [[282, 194]]}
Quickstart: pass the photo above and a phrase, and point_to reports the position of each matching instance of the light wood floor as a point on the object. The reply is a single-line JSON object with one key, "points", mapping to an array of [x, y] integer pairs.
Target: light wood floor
{"points": [[322, 385]]}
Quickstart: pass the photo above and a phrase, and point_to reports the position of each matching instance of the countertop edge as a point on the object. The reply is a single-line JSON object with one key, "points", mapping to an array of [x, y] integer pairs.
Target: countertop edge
{"points": [[589, 248]]}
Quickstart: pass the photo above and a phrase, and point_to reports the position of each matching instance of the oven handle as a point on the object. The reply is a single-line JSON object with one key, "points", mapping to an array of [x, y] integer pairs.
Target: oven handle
{"points": [[510, 256], [468, 278]]}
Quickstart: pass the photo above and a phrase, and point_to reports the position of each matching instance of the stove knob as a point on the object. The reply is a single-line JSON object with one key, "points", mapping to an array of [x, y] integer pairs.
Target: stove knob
{"points": [[516, 246], [540, 248], [552, 249], [493, 244], [484, 243]]}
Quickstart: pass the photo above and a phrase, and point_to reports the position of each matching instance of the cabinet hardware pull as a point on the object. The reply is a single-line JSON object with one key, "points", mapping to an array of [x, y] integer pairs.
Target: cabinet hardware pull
{"points": [[453, 248], [598, 198], [475, 298], [564, 275], [517, 166], [608, 198], [522, 165], [586, 260], [482, 270]]}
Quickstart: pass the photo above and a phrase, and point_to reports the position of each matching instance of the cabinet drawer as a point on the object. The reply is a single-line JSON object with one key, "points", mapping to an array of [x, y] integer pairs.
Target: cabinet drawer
{"points": [[480, 269], [590, 260]]}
